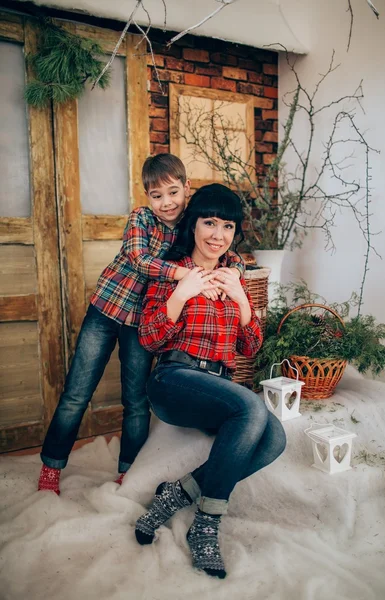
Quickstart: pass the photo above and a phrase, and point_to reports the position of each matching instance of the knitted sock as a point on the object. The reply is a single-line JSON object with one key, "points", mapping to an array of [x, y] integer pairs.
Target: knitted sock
{"points": [[119, 480], [169, 498], [49, 479], [202, 537]]}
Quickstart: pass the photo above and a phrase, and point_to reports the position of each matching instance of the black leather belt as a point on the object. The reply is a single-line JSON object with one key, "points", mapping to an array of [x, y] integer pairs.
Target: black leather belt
{"points": [[213, 367]]}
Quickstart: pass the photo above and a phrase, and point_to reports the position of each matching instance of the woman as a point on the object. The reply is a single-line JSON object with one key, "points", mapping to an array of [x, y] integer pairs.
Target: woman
{"points": [[196, 339]]}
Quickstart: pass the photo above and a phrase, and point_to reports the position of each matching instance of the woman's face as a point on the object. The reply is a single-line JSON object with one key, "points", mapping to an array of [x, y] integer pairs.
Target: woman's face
{"points": [[213, 237]]}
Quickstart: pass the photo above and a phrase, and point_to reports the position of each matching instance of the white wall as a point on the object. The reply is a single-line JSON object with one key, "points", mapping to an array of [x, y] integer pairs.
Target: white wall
{"points": [[323, 26]]}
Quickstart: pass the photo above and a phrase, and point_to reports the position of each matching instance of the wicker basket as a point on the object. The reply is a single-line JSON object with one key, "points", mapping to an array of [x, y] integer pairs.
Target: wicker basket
{"points": [[320, 375], [257, 286]]}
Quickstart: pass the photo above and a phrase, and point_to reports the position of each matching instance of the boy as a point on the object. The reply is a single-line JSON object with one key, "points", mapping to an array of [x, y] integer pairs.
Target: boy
{"points": [[113, 315]]}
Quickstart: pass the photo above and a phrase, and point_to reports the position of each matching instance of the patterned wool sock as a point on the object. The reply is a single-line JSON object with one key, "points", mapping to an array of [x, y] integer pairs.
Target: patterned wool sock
{"points": [[169, 498], [119, 480], [202, 537], [49, 479]]}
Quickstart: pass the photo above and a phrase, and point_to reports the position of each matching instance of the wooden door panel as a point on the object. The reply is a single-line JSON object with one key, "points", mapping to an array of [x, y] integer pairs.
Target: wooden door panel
{"points": [[95, 136], [31, 358]]}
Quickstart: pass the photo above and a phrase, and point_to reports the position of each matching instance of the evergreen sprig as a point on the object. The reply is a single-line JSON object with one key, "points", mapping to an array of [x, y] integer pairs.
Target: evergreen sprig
{"points": [[358, 341], [63, 64]]}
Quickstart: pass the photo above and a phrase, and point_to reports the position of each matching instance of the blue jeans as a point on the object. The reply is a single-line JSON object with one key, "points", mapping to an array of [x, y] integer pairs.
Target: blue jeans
{"points": [[96, 341], [248, 436]]}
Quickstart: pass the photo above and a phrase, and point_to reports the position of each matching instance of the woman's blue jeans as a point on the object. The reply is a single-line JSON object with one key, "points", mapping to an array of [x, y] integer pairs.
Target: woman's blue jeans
{"points": [[96, 341], [248, 436]]}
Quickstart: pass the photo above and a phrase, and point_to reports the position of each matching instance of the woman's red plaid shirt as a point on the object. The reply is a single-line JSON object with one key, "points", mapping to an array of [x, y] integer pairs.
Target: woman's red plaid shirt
{"points": [[206, 329]]}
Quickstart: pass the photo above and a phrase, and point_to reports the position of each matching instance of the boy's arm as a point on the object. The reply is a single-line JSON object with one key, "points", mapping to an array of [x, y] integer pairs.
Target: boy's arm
{"points": [[135, 245], [234, 261]]}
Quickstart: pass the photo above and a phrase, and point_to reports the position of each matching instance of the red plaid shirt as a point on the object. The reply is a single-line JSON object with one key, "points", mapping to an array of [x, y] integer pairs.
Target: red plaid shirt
{"points": [[121, 286], [206, 329]]}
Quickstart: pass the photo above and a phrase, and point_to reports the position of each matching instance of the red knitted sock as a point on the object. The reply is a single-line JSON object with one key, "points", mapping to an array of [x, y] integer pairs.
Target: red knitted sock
{"points": [[119, 480], [49, 479]]}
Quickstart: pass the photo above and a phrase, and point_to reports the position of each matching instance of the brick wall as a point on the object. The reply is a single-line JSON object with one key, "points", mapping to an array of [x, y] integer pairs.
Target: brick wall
{"points": [[215, 64]]}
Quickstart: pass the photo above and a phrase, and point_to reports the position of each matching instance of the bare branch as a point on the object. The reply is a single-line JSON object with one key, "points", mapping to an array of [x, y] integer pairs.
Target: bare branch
{"points": [[350, 9], [223, 4], [114, 53]]}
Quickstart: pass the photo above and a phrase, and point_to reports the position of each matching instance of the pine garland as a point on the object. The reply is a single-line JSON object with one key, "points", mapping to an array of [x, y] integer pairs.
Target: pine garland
{"points": [[63, 64]]}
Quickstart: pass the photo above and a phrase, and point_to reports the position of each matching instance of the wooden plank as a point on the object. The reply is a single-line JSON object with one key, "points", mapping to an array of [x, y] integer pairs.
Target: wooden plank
{"points": [[106, 419], [103, 227], [17, 270], [46, 247], [16, 230], [177, 89], [20, 398], [18, 308], [138, 118], [105, 37], [14, 438], [70, 220], [11, 27], [96, 256]]}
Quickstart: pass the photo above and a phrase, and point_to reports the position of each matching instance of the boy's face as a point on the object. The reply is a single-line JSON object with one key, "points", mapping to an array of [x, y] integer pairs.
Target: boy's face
{"points": [[168, 200]]}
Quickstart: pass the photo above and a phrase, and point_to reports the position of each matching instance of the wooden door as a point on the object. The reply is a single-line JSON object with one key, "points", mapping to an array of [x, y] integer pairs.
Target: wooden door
{"points": [[31, 352], [101, 141], [69, 177]]}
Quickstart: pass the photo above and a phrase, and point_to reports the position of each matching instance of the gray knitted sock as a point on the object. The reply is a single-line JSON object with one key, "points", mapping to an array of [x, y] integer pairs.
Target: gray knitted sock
{"points": [[202, 537], [169, 498]]}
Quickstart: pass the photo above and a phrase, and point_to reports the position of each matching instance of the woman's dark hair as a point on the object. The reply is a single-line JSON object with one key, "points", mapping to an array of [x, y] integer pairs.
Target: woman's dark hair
{"points": [[213, 200]]}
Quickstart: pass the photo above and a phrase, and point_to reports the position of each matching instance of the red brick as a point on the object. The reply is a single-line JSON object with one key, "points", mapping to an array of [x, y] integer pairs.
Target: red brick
{"points": [[196, 55], [218, 83], [223, 59], [264, 125], [178, 65], [268, 159], [159, 60], [264, 148], [270, 69], [158, 137], [216, 71], [275, 126], [198, 80], [155, 87], [252, 65], [234, 73], [159, 99], [263, 103], [173, 76], [260, 169], [269, 114], [258, 159], [271, 136], [258, 135], [166, 51], [158, 112], [159, 125], [159, 149], [270, 92], [255, 77], [249, 88]]}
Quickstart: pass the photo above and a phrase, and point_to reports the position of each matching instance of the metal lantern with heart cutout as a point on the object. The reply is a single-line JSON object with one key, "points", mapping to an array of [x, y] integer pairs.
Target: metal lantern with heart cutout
{"points": [[332, 447], [282, 394]]}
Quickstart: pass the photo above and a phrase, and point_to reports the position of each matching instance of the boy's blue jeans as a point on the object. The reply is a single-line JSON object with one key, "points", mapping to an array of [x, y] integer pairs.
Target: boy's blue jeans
{"points": [[248, 436], [96, 341]]}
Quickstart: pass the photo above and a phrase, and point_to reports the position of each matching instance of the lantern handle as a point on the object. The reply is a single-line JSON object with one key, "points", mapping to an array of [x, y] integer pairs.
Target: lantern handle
{"points": [[282, 361]]}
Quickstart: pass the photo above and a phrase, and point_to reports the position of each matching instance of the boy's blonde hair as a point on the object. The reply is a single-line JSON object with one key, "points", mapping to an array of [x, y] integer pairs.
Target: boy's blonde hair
{"points": [[160, 169]]}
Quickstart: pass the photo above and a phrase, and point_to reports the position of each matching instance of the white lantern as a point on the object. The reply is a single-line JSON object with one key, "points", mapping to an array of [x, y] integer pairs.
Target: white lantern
{"points": [[282, 394], [332, 448]]}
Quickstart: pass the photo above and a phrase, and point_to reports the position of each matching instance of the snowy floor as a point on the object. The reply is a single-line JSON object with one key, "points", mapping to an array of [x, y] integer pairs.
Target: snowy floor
{"points": [[292, 532]]}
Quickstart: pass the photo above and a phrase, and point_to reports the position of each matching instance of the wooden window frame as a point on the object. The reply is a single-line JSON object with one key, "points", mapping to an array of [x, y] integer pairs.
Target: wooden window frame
{"points": [[178, 90]]}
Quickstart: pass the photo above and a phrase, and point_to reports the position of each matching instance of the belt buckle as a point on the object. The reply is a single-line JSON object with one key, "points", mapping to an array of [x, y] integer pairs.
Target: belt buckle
{"points": [[203, 365]]}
